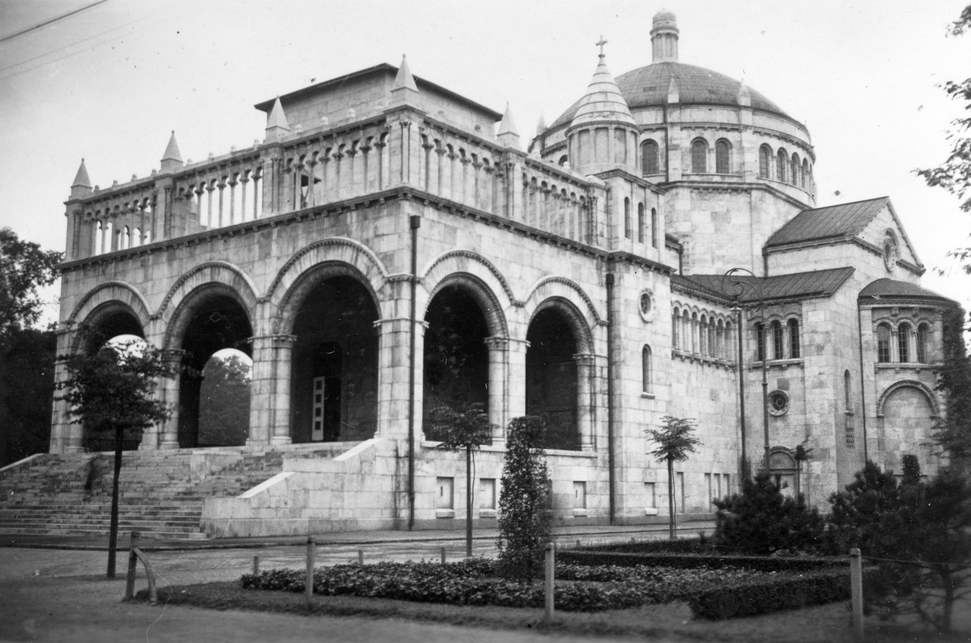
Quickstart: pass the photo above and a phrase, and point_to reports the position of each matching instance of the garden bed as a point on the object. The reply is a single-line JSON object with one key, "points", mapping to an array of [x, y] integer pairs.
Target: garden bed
{"points": [[579, 588]]}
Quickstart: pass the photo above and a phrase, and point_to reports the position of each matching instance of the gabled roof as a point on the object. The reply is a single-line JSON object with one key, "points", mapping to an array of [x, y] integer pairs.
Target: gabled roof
{"points": [[836, 221], [800, 285], [890, 289]]}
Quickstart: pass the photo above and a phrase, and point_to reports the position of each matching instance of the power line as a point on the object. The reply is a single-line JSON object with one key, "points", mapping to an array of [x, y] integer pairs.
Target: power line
{"points": [[51, 21]]}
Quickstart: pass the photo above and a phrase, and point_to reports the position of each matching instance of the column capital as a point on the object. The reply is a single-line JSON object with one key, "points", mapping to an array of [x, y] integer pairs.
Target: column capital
{"points": [[584, 359], [496, 343], [279, 340]]}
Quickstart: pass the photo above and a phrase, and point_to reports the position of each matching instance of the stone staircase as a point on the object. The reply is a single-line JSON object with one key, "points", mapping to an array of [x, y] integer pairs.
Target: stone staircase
{"points": [[161, 492]]}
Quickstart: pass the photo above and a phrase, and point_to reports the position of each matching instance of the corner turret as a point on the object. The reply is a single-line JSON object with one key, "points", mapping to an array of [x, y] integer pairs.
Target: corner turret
{"points": [[82, 184], [172, 158]]}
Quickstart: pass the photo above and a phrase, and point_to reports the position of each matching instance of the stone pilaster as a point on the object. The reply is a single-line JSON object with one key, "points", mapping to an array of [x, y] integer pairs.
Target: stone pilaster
{"points": [[394, 364], [585, 399], [517, 378]]}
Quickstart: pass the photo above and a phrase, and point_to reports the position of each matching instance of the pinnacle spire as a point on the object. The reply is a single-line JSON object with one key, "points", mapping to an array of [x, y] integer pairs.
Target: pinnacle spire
{"points": [[404, 79], [82, 180], [277, 125], [603, 100], [172, 152], [541, 124], [508, 134]]}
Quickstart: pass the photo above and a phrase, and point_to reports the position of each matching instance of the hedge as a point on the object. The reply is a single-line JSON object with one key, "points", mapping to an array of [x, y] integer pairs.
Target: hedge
{"points": [[694, 561], [680, 546], [750, 598]]}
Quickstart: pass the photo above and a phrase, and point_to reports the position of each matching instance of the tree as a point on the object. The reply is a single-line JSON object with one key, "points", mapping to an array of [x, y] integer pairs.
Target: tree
{"points": [[918, 533], [761, 520], [24, 268], [26, 393], [525, 520], [674, 443], [953, 429], [465, 429], [224, 402], [114, 389], [954, 175]]}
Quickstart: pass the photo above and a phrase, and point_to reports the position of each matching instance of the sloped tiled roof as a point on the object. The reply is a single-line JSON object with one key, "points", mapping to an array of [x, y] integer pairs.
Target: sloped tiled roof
{"points": [[835, 221], [801, 285], [893, 289], [648, 87]]}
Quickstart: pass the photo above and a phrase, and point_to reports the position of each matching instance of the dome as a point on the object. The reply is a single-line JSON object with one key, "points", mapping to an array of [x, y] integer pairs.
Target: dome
{"points": [[648, 87]]}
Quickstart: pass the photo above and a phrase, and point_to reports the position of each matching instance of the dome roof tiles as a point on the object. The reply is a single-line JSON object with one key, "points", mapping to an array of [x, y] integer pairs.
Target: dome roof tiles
{"points": [[648, 87]]}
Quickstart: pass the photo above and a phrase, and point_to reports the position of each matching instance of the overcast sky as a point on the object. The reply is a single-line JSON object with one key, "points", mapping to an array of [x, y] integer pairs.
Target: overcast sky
{"points": [[109, 83]]}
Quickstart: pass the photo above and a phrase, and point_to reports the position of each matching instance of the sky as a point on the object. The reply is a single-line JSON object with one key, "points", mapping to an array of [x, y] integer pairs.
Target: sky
{"points": [[110, 82]]}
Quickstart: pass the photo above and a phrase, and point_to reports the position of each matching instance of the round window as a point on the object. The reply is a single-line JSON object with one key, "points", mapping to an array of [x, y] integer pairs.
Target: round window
{"points": [[778, 402], [646, 305]]}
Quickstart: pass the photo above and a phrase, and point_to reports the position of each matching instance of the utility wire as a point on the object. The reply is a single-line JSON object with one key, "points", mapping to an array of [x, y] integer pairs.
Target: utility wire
{"points": [[51, 21]]}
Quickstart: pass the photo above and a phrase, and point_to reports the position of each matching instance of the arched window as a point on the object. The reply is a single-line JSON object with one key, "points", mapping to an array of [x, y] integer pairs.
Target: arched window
{"points": [[646, 375], [922, 343], [780, 165], [759, 342], [703, 336], [729, 342], [722, 160], [641, 223], [563, 160], [712, 340], [805, 173], [794, 175], [686, 331], [846, 391], [699, 156], [883, 343], [675, 339], [654, 231], [793, 327], [627, 232], [649, 164], [903, 343], [695, 349], [777, 340], [765, 156]]}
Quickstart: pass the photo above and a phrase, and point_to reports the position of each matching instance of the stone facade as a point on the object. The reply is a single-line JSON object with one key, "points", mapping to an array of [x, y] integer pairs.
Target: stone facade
{"points": [[385, 251]]}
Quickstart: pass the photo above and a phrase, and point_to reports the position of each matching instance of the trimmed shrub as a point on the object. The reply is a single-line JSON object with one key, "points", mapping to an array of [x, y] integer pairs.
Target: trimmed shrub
{"points": [[699, 545], [750, 598], [760, 520]]}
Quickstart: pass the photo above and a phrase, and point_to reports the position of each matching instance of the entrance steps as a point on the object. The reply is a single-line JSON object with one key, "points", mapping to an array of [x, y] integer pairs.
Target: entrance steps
{"points": [[161, 493]]}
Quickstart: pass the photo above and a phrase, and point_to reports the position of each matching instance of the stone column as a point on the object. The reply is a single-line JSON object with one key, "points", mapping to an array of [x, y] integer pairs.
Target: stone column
{"points": [[394, 363], [280, 401], [261, 389], [168, 392], [585, 399], [66, 437], [516, 391], [498, 400]]}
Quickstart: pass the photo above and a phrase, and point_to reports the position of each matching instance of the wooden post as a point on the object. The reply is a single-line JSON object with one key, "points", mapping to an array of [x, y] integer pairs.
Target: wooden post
{"points": [[443, 555], [132, 568], [550, 573], [360, 557], [856, 591], [311, 550], [256, 565]]}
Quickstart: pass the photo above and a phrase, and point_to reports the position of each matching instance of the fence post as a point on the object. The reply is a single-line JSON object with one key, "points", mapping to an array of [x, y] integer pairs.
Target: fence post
{"points": [[132, 568], [443, 555], [360, 557], [256, 565], [550, 572], [856, 591], [311, 550]]}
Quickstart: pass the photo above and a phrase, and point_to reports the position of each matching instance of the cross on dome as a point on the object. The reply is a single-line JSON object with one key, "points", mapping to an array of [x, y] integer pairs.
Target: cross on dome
{"points": [[601, 45]]}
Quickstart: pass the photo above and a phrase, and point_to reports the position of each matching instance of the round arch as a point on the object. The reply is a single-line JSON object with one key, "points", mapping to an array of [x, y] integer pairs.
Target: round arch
{"points": [[920, 386], [110, 319], [211, 273], [112, 291], [289, 303], [182, 315], [485, 274], [483, 295], [575, 319]]}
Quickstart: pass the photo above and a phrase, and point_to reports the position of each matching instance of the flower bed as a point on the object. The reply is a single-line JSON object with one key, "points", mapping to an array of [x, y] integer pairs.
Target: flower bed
{"points": [[473, 582]]}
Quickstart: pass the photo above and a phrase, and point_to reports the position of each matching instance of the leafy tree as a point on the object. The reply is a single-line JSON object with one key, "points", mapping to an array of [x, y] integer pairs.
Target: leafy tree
{"points": [[465, 429], [954, 175], [674, 443], [224, 402], [26, 393], [24, 268], [856, 514], [525, 520], [113, 389], [761, 520], [953, 430]]}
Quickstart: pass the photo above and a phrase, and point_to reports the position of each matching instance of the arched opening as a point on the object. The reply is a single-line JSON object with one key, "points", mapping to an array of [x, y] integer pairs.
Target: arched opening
{"points": [[764, 155], [699, 156], [722, 156], [217, 322], [456, 358], [649, 158], [551, 378], [334, 372], [224, 398]]}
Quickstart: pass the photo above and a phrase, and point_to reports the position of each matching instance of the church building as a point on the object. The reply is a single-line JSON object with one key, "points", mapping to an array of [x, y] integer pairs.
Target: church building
{"points": [[391, 247]]}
